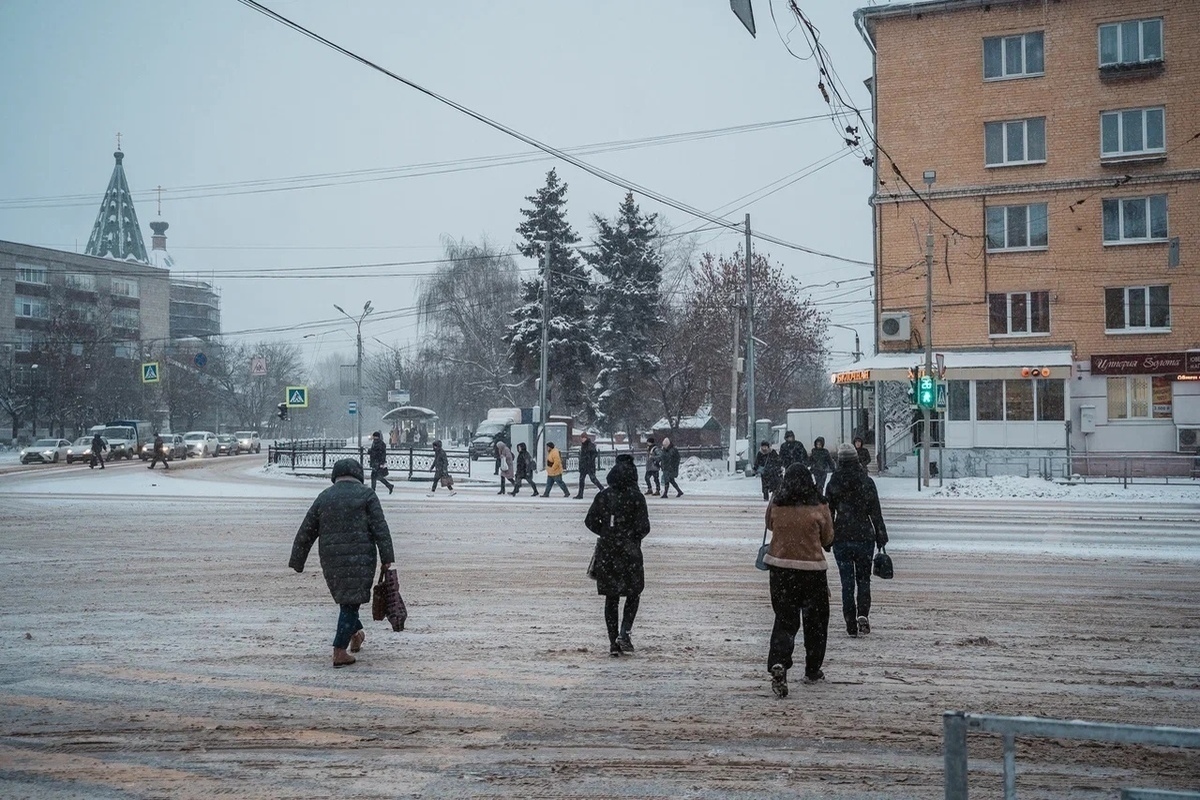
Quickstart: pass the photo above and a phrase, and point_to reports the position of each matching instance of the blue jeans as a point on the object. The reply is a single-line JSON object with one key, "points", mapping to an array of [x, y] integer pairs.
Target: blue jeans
{"points": [[556, 479], [854, 567], [348, 625]]}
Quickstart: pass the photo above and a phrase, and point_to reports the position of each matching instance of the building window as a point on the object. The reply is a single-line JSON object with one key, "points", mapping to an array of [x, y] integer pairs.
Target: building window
{"points": [[30, 307], [81, 282], [1129, 397], [1018, 401], [1018, 313], [958, 400], [1017, 227], [27, 273], [1051, 399], [82, 312], [1132, 220], [128, 318], [24, 341], [1014, 56], [989, 401], [1132, 132], [1133, 42], [1137, 308], [124, 287], [1021, 141], [125, 349]]}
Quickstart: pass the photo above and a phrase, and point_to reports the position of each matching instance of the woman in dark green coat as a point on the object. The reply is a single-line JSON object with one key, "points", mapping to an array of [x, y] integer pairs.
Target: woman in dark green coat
{"points": [[618, 516], [347, 521]]}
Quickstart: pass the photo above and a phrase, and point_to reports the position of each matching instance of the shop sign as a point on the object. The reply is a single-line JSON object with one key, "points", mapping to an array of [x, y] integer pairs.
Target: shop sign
{"points": [[1144, 363], [853, 376]]}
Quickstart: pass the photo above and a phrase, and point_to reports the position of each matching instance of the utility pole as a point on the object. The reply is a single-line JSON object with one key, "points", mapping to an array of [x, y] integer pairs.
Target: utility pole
{"points": [[733, 388], [930, 177], [358, 403], [750, 433], [544, 389]]}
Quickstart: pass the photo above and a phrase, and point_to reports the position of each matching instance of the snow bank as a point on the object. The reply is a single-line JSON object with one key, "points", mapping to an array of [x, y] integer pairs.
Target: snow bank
{"points": [[1012, 486]]}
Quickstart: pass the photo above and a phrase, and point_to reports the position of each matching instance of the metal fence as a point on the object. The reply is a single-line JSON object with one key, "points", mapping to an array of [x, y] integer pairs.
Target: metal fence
{"points": [[956, 725], [1123, 469], [317, 456]]}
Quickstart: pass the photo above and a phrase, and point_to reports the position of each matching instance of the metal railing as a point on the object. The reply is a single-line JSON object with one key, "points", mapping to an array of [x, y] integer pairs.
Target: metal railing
{"points": [[318, 456], [956, 725], [1122, 468]]}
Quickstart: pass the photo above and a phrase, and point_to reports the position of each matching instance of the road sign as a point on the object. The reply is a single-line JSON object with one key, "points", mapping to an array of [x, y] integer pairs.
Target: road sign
{"points": [[941, 396], [297, 396], [150, 372], [353, 408], [940, 358], [401, 396], [258, 367], [200, 359]]}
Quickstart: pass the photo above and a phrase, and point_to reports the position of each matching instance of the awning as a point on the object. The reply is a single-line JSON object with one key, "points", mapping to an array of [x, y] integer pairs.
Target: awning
{"points": [[409, 413], [960, 365]]}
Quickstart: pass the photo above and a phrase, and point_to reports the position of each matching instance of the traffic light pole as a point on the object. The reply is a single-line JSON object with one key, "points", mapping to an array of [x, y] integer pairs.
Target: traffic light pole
{"points": [[929, 177]]}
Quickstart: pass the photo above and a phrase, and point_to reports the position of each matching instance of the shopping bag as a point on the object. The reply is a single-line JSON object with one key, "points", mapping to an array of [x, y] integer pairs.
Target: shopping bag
{"points": [[883, 565], [379, 598]]}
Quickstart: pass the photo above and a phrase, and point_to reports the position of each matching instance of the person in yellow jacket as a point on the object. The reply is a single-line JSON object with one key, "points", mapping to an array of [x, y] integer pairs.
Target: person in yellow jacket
{"points": [[554, 471]]}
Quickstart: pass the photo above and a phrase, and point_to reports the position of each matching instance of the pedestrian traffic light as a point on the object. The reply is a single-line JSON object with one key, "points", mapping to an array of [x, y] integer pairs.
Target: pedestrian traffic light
{"points": [[926, 392], [912, 386], [283, 410]]}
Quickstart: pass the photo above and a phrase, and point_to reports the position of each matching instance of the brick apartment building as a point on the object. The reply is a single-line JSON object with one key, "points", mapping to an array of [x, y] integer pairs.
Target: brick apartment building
{"points": [[1065, 211]]}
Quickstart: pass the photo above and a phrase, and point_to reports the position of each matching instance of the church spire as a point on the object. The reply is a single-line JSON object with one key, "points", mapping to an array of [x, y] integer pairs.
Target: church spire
{"points": [[116, 233]]}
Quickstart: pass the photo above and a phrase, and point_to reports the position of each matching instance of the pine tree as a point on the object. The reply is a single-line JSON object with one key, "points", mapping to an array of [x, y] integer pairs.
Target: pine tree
{"points": [[627, 312], [572, 351]]}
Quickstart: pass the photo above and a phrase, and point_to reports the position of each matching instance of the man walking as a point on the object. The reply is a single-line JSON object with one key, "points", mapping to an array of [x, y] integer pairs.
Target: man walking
{"points": [[159, 452], [792, 452], [554, 471], [98, 448], [587, 463], [653, 457], [378, 460], [441, 469]]}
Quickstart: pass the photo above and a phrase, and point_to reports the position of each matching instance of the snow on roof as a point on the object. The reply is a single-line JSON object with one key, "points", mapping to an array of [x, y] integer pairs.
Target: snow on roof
{"points": [[696, 422], [964, 359]]}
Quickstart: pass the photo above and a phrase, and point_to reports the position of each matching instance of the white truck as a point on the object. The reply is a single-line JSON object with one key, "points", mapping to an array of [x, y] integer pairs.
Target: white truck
{"points": [[498, 423], [122, 440], [834, 424]]}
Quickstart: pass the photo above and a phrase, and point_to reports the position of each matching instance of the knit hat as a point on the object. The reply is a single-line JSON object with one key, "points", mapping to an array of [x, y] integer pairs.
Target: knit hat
{"points": [[347, 467], [847, 453]]}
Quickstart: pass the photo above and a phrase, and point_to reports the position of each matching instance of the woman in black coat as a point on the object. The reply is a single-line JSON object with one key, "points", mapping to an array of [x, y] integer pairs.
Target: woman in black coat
{"points": [[820, 463], [618, 516], [347, 521], [857, 530], [524, 470]]}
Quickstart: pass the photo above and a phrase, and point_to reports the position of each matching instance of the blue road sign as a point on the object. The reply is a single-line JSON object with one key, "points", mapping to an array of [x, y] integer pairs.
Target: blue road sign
{"points": [[353, 408], [200, 359]]}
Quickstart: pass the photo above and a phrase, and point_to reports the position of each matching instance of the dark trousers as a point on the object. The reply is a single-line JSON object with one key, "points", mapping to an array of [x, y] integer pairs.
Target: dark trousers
{"points": [[819, 479], [375, 476], [591, 473], [610, 614], [799, 596], [552, 480], [522, 479], [668, 482], [769, 485], [437, 481], [96, 459], [157, 458], [348, 625], [653, 475], [854, 567]]}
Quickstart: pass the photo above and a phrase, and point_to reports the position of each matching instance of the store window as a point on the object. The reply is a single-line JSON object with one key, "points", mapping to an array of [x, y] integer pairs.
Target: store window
{"points": [[1018, 401], [1129, 397], [1051, 399], [958, 400], [989, 401]]}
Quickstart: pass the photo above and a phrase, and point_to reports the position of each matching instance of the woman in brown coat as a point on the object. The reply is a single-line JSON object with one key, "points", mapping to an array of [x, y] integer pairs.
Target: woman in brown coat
{"points": [[801, 533]]}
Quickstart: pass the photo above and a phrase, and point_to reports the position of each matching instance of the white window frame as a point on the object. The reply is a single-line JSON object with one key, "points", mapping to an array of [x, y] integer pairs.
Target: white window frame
{"points": [[81, 281], [26, 307], [1006, 248], [1128, 381], [25, 340], [1004, 42], [127, 318], [1008, 302], [1121, 57], [1003, 127], [125, 287], [1119, 116], [1122, 239], [1128, 328], [31, 273]]}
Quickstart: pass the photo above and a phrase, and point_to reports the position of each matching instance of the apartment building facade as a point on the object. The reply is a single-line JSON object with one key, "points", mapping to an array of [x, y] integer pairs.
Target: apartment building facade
{"points": [[1052, 150]]}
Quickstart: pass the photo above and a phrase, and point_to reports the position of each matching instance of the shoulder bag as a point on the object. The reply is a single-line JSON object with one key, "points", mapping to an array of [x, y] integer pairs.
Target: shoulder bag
{"points": [[883, 565], [761, 562]]}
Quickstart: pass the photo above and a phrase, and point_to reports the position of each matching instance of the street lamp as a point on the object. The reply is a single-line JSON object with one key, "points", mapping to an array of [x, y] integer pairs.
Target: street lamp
{"points": [[856, 389], [930, 177], [358, 363]]}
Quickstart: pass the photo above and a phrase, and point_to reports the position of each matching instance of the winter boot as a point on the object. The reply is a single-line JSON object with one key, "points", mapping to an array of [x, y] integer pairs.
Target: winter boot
{"points": [[779, 681], [625, 642], [864, 626], [356, 641], [341, 658], [614, 649]]}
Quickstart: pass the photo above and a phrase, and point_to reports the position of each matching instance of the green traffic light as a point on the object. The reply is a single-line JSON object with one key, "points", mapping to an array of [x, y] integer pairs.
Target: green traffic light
{"points": [[926, 392]]}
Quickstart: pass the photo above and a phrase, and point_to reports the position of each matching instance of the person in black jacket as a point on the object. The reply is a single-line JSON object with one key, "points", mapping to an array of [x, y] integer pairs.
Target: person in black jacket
{"points": [[98, 448], [347, 521], [792, 452], [159, 453], [440, 470], [670, 467], [820, 463], [864, 455], [857, 530], [587, 463], [524, 470], [768, 466], [619, 517], [378, 460]]}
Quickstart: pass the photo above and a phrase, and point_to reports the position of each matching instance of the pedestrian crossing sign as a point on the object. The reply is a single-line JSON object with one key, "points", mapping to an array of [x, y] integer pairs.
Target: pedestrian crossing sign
{"points": [[297, 396], [150, 372]]}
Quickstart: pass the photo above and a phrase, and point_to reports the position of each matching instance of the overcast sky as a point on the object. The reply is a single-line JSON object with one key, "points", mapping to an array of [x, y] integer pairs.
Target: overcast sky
{"points": [[212, 92]]}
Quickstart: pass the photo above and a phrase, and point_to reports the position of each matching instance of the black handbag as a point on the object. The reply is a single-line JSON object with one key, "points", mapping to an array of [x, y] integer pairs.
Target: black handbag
{"points": [[883, 565], [761, 562]]}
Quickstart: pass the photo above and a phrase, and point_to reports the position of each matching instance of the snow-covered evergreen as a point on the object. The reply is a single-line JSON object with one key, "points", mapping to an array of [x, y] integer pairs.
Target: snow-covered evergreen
{"points": [[572, 352], [628, 316]]}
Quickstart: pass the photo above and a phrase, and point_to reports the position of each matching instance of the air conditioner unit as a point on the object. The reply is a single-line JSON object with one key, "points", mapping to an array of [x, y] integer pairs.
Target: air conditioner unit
{"points": [[895, 326], [1187, 440]]}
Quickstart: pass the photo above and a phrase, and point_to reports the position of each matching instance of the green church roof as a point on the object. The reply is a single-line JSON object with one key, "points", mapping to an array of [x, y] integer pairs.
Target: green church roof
{"points": [[116, 233]]}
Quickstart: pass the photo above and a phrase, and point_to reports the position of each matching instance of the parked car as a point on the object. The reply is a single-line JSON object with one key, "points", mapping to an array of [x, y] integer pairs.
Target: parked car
{"points": [[45, 451], [227, 444], [80, 450], [201, 443], [173, 447], [248, 442]]}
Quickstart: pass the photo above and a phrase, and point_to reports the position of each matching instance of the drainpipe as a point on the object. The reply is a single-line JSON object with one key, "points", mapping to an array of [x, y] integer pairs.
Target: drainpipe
{"points": [[860, 24]]}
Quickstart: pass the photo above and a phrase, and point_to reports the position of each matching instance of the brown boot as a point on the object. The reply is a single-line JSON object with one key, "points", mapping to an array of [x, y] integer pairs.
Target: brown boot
{"points": [[357, 640], [341, 658]]}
